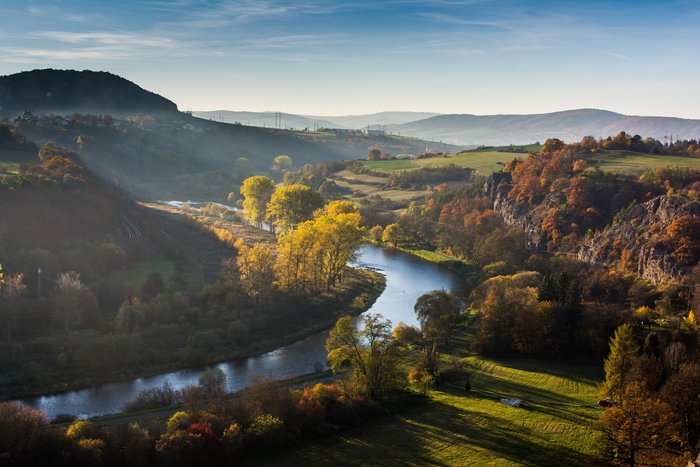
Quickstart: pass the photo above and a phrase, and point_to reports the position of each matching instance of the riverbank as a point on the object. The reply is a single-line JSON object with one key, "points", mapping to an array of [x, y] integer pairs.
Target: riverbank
{"points": [[468, 272], [289, 322]]}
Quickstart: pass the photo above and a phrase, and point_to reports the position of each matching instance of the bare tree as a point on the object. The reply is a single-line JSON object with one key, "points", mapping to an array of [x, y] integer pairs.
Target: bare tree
{"points": [[69, 288]]}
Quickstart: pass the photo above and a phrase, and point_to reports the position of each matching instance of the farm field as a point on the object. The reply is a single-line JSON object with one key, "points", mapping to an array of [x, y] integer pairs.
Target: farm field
{"points": [[635, 162], [483, 162], [486, 162], [553, 427]]}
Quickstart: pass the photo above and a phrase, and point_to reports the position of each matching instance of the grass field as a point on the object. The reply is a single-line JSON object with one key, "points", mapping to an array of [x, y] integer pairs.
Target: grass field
{"points": [[483, 162], [487, 161], [553, 427], [635, 162]]}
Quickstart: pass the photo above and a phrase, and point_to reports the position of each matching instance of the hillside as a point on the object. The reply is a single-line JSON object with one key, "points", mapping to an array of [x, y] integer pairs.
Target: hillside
{"points": [[189, 157], [570, 125], [69, 91]]}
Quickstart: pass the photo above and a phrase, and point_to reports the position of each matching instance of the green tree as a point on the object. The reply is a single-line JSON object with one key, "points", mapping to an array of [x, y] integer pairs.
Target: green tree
{"points": [[292, 204], [370, 353], [391, 234], [213, 383], [623, 351], [256, 191], [439, 313], [12, 290]]}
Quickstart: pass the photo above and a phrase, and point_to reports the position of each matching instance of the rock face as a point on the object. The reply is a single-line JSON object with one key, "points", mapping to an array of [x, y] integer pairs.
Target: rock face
{"points": [[637, 235], [638, 232], [496, 188]]}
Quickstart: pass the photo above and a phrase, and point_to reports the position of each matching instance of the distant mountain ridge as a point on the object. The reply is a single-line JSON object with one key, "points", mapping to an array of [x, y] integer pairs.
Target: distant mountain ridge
{"points": [[286, 120], [569, 125], [471, 130], [71, 91]]}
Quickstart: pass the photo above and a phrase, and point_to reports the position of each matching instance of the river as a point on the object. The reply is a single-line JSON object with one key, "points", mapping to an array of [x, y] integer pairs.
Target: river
{"points": [[407, 278]]}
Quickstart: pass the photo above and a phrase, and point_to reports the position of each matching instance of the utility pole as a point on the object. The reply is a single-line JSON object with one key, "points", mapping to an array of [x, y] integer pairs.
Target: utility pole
{"points": [[38, 284]]}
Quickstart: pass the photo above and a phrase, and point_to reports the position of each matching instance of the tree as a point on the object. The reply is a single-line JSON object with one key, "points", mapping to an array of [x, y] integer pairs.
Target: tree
{"points": [[292, 204], [67, 296], [256, 192], [241, 167], [371, 353], [213, 383], [131, 315], [681, 391], [256, 269], [338, 226], [439, 313], [282, 162], [638, 423], [623, 350], [376, 233], [374, 154], [12, 290], [391, 234], [152, 286]]}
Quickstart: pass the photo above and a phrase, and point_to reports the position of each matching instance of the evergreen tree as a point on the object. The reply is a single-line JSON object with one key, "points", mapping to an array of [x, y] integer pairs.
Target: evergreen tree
{"points": [[547, 290]]}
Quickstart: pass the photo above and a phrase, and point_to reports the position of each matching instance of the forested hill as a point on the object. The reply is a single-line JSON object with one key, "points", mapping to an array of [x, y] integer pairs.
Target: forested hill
{"points": [[70, 91], [570, 125]]}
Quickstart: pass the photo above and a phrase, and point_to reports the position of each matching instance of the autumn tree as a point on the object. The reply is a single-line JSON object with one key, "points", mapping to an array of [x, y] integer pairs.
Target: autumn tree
{"points": [[376, 233], [292, 204], [256, 269], [374, 154], [682, 392], [315, 254], [391, 234], [639, 423], [282, 162], [338, 226], [623, 350], [370, 353], [256, 191]]}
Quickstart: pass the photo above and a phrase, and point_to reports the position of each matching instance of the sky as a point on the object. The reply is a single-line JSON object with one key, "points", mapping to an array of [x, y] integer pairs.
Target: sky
{"points": [[317, 57]]}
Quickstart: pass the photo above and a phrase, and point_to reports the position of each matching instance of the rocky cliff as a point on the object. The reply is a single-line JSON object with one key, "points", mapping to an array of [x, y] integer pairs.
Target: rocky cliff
{"points": [[496, 188], [638, 236]]}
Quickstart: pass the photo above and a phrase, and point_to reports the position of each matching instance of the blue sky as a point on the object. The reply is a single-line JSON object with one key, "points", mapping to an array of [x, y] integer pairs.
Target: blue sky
{"points": [[352, 57]]}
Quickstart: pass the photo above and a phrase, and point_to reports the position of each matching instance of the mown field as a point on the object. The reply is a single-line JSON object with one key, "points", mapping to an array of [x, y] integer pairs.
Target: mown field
{"points": [[635, 162], [483, 162], [488, 161], [553, 427]]}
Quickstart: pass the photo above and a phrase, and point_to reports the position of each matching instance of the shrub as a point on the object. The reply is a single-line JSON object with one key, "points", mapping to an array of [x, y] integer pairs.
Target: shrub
{"points": [[164, 396]]}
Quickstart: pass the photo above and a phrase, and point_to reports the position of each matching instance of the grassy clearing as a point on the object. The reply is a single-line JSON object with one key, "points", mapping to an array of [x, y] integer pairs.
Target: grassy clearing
{"points": [[364, 190], [137, 275], [483, 162], [554, 426], [488, 161], [466, 271], [635, 162]]}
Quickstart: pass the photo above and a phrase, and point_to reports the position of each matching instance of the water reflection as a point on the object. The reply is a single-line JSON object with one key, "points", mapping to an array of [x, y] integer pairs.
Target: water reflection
{"points": [[407, 277]]}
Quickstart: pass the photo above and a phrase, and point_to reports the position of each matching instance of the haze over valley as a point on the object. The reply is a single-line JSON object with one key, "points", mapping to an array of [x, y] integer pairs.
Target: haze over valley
{"points": [[349, 233]]}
